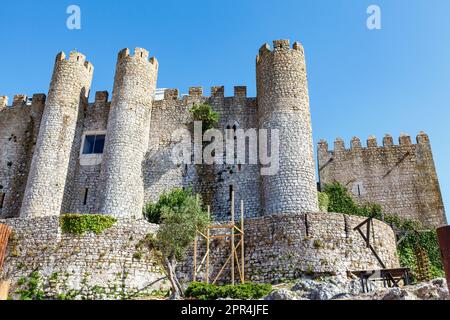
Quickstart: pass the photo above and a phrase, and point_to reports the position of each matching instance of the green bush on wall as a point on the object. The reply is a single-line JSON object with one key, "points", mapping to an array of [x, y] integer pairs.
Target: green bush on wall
{"points": [[340, 201], [324, 201], [203, 291], [205, 114], [174, 199], [79, 224]]}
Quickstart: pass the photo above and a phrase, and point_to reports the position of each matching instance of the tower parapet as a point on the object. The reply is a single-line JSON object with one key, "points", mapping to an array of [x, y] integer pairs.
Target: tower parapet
{"points": [[69, 87], [3, 102], [283, 104], [19, 100], [122, 194]]}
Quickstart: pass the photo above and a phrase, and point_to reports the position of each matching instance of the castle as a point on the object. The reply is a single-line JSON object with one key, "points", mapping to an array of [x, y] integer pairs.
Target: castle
{"points": [[63, 154]]}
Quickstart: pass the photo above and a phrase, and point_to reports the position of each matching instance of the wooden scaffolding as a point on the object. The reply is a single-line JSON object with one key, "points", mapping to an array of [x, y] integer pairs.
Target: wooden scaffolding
{"points": [[231, 231]]}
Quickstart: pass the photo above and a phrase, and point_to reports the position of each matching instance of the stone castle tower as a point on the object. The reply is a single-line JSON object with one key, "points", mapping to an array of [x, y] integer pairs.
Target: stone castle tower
{"points": [[283, 103], [128, 133], [70, 85]]}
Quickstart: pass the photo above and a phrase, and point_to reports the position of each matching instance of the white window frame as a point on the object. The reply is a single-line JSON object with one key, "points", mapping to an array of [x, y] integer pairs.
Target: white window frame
{"points": [[90, 159]]}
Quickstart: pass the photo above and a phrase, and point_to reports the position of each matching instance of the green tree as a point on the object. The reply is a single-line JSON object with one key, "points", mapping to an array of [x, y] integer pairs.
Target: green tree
{"points": [[175, 199], [205, 114], [181, 216]]}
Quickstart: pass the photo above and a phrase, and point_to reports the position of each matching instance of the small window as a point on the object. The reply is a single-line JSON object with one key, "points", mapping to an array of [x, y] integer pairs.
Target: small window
{"points": [[2, 199], [85, 196], [231, 192], [358, 189], [94, 144]]}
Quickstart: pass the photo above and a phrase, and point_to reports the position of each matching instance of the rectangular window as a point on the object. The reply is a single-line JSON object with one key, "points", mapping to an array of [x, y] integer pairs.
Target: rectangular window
{"points": [[94, 144]]}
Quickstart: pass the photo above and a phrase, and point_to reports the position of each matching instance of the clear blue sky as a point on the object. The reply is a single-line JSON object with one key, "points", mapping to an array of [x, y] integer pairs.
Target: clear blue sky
{"points": [[362, 82]]}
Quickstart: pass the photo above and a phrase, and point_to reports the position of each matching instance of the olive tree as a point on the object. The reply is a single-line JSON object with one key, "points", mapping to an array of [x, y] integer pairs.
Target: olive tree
{"points": [[179, 222]]}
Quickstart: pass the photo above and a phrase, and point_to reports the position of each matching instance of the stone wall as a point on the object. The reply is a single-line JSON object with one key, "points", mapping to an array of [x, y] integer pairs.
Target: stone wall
{"points": [[286, 246], [19, 126], [86, 183], [211, 181], [401, 178], [109, 265], [112, 265]]}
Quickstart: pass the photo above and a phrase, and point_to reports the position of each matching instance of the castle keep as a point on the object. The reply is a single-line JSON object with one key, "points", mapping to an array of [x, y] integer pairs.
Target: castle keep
{"points": [[63, 154]]}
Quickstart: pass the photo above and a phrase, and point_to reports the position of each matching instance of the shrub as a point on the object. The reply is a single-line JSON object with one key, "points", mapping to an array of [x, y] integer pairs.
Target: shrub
{"points": [[79, 224], [203, 291], [340, 200], [205, 114], [175, 199], [324, 202]]}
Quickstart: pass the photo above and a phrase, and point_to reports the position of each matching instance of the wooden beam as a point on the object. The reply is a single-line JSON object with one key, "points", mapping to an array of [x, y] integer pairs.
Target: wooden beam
{"points": [[232, 239], [208, 234], [242, 241]]}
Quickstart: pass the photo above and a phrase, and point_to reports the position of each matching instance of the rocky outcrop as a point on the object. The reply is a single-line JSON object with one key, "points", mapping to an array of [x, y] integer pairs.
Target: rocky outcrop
{"points": [[339, 288]]}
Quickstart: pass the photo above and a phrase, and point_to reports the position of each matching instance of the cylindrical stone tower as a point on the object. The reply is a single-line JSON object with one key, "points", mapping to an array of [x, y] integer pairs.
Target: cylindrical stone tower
{"points": [[70, 85], [122, 193], [283, 104]]}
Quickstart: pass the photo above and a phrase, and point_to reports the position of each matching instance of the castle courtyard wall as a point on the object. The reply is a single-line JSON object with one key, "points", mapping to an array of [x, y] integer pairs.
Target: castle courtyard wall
{"points": [[105, 266], [113, 265]]}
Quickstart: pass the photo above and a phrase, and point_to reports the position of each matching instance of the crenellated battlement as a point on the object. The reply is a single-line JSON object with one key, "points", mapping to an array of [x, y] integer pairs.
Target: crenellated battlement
{"points": [[371, 143], [171, 94], [398, 175], [139, 53], [101, 96], [196, 91], [278, 45], [75, 57], [3, 101], [20, 100], [240, 92], [218, 92]]}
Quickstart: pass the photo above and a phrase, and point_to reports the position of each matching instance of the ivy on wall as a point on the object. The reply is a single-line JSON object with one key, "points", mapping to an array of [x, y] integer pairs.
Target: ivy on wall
{"points": [[415, 234], [79, 224]]}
